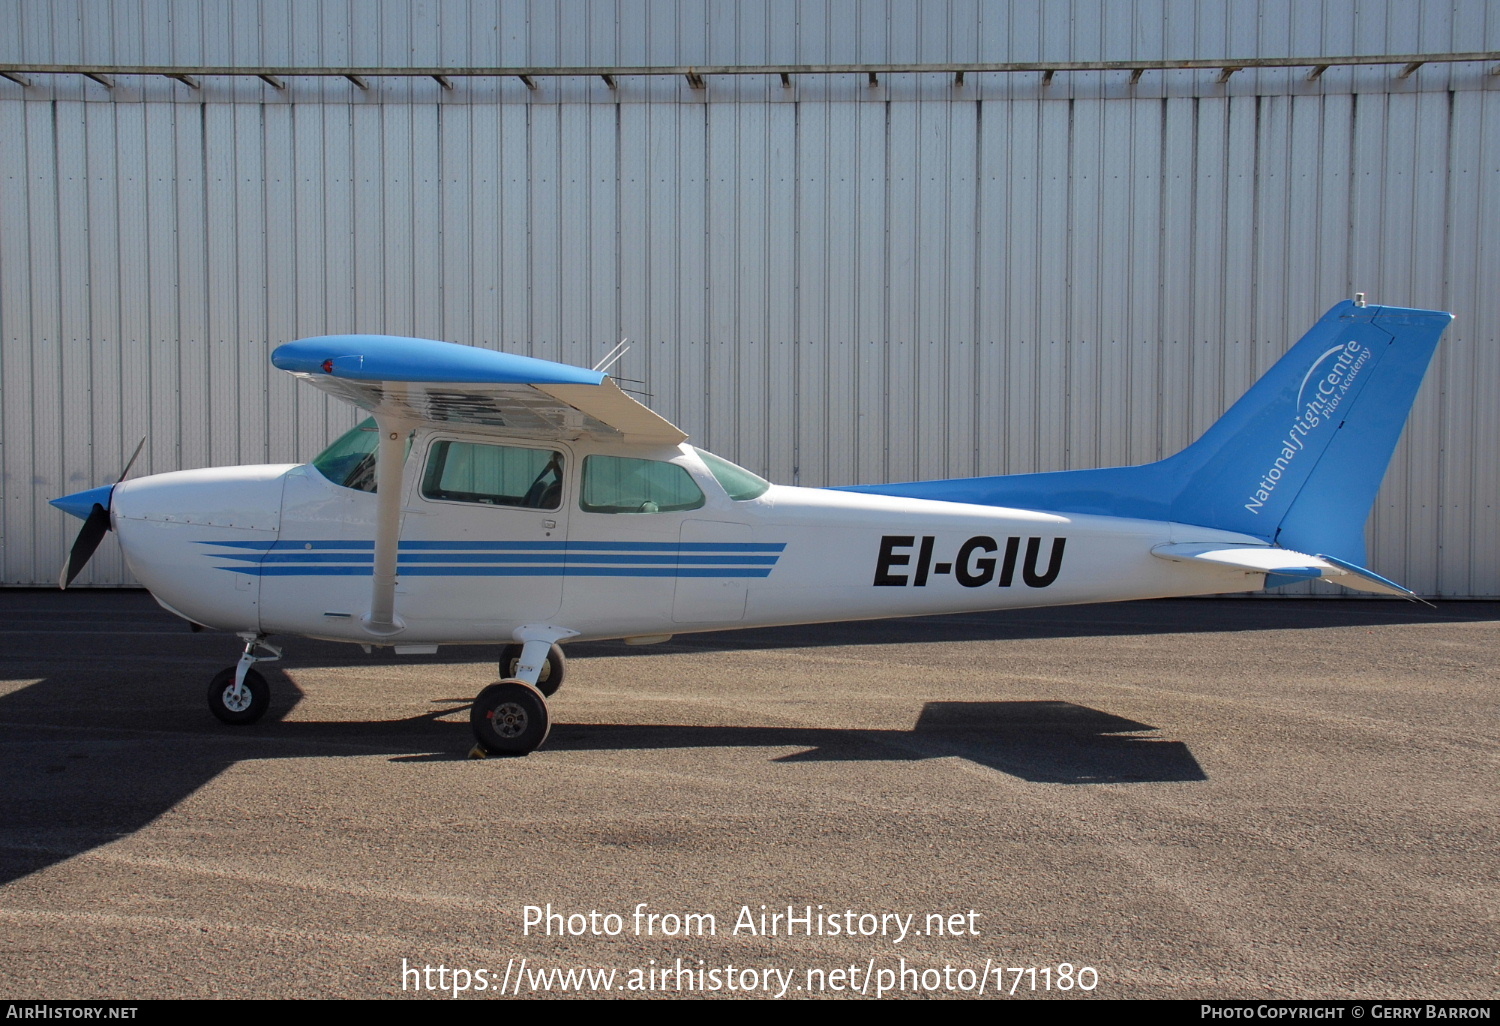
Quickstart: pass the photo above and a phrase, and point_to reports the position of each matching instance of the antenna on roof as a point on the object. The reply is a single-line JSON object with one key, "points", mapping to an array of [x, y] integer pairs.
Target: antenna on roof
{"points": [[613, 356]]}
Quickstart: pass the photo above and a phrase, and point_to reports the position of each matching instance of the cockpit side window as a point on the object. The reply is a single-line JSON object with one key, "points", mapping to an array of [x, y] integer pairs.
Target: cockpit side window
{"points": [[494, 475], [618, 484]]}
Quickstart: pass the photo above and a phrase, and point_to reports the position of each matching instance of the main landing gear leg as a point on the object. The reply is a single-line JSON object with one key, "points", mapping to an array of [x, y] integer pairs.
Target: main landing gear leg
{"points": [[510, 718], [240, 695], [548, 677]]}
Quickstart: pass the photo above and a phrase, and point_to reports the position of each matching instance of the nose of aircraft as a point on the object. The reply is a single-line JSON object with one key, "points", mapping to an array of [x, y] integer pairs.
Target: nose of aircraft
{"points": [[181, 532], [92, 507]]}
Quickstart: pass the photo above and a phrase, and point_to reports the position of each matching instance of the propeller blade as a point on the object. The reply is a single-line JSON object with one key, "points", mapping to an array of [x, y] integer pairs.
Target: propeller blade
{"points": [[131, 462], [93, 532]]}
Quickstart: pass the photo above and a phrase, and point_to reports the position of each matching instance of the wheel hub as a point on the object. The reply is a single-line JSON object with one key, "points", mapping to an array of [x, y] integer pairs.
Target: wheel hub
{"points": [[509, 720], [236, 702]]}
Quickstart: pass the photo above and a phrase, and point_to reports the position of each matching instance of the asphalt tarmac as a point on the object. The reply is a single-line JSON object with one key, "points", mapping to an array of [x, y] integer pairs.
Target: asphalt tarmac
{"points": [[1181, 799]]}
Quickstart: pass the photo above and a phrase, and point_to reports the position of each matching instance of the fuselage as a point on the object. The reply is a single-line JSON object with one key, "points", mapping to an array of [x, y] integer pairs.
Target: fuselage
{"points": [[610, 541]]}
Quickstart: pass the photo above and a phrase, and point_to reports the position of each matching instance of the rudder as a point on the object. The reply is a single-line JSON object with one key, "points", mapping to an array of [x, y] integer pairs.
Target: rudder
{"points": [[1298, 459]]}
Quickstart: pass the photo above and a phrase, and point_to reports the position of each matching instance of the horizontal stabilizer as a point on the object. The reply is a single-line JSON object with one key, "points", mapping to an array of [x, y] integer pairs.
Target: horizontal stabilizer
{"points": [[1253, 559], [1290, 567], [1361, 579]]}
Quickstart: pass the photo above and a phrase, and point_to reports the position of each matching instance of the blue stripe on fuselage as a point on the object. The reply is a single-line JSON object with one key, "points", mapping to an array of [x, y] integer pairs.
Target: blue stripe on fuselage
{"points": [[521, 546], [505, 571], [328, 558]]}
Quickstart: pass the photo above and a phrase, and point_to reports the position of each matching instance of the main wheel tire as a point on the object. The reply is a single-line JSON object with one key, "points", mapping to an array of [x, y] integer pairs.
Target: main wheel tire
{"points": [[554, 669], [251, 704], [510, 718]]}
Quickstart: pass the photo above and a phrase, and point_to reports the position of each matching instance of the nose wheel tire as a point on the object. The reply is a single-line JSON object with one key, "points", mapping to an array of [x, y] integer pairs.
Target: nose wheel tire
{"points": [[510, 718], [246, 707], [553, 670]]}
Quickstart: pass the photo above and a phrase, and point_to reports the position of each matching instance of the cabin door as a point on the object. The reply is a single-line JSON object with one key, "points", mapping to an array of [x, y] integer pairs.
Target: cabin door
{"points": [[484, 535]]}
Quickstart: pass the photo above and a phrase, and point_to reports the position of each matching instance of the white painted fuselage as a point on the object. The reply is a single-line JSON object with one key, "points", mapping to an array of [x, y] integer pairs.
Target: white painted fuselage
{"points": [[283, 550]]}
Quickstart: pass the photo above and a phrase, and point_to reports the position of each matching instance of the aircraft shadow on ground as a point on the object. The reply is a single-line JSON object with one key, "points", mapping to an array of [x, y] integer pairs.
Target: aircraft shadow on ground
{"points": [[1043, 742], [70, 790]]}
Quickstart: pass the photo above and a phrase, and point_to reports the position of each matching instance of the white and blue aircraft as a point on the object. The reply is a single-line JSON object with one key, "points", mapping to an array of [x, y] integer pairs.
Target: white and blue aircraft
{"points": [[499, 499]]}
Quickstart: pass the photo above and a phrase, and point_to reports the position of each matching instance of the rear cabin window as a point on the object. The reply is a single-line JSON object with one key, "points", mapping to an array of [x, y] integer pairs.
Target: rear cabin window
{"points": [[494, 475], [616, 484]]}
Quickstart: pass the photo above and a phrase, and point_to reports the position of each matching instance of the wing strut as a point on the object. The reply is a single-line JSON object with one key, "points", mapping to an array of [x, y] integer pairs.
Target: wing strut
{"points": [[389, 491]]}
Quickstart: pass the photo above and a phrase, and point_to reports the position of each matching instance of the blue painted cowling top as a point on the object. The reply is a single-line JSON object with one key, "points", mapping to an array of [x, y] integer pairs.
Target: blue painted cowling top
{"points": [[422, 360]]}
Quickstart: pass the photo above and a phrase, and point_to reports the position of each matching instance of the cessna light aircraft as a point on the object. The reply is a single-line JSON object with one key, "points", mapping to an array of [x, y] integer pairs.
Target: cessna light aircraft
{"points": [[497, 498]]}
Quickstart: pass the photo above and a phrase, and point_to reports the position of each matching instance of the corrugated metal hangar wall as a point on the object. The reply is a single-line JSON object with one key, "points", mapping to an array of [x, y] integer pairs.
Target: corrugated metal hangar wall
{"points": [[828, 281]]}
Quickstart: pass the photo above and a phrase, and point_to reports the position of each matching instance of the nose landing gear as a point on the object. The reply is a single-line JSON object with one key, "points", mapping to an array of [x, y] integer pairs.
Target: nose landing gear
{"points": [[240, 695]]}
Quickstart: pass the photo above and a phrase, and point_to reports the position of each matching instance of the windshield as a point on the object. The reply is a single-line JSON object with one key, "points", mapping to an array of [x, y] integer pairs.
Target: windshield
{"points": [[737, 481], [350, 461]]}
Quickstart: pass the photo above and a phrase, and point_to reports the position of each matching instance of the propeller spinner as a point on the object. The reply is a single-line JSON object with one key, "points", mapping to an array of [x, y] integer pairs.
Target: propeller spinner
{"points": [[92, 507]]}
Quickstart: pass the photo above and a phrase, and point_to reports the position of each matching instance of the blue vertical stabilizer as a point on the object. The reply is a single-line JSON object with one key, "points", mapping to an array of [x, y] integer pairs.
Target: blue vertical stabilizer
{"points": [[1295, 462]]}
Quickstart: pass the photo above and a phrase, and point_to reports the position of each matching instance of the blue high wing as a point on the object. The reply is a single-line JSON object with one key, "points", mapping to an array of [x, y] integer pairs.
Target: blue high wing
{"points": [[423, 380]]}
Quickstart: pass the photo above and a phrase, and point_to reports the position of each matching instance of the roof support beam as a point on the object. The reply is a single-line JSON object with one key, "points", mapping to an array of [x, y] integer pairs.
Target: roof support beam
{"points": [[187, 80], [443, 81], [609, 80], [697, 75]]}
